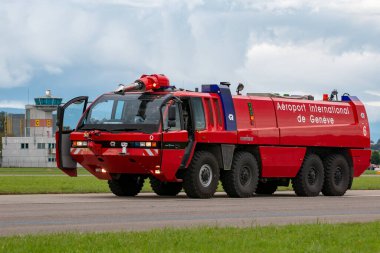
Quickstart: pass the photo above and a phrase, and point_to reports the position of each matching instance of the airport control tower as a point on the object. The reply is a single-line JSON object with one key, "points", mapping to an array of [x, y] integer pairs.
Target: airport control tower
{"points": [[37, 147], [40, 120]]}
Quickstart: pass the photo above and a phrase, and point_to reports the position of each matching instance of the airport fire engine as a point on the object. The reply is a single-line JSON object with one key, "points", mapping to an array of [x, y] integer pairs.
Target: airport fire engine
{"points": [[191, 140]]}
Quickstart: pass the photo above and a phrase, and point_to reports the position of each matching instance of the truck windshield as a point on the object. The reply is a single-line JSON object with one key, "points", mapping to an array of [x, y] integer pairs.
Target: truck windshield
{"points": [[129, 112]]}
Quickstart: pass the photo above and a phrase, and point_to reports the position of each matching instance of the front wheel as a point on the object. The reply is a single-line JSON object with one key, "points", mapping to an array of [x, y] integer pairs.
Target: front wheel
{"points": [[202, 177], [266, 188], [126, 185], [165, 188]]}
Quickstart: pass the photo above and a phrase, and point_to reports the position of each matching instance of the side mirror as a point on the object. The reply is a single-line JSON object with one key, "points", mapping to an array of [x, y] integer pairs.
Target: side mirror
{"points": [[172, 116], [59, 115], [172, 113]]}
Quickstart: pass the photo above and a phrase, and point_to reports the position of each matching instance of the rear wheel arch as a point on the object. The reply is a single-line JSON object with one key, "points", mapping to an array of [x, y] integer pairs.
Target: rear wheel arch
{"points": [[254, 150], [214, 149]]}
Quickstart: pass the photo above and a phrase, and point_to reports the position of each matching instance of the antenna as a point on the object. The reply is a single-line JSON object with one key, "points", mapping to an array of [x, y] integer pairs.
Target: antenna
{"points": [[225, 84]]}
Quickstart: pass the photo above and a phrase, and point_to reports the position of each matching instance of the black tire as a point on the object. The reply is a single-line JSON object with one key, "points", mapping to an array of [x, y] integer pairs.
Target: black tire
{"points": [[165, 188], [202, 177], [241, 181], [309, 179], [126, 185], [337, 175], [267, 188]]}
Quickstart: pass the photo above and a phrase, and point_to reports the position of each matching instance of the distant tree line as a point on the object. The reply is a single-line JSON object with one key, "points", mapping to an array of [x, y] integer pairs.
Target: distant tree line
{"points": [[375, 157], [375, 146], [2, 129]]}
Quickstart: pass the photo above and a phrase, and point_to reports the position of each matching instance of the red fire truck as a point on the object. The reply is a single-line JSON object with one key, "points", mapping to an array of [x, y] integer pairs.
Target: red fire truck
{"points": [[192, 140]]}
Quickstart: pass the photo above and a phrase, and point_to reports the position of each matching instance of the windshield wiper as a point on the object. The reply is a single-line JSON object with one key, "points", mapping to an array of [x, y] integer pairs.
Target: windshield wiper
{"points": [[128, 130], [94, 128]]}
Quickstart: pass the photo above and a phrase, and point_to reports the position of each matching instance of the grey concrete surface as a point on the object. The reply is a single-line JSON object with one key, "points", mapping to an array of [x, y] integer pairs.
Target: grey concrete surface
{"points": [[47, 213]]}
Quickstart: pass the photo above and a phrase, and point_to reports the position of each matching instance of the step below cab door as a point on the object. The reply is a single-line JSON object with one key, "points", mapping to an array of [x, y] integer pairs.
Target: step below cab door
{"points": [[68, 116]]}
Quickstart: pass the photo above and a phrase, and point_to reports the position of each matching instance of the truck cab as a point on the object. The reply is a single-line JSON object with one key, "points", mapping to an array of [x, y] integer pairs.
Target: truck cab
{"points": [[126, 137]]}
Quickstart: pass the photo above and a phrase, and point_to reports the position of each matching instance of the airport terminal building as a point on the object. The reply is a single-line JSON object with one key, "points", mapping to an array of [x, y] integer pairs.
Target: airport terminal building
{"points": [[34, 144]]}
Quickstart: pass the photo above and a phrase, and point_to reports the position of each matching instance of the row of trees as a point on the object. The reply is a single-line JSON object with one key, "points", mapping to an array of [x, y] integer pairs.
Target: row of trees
{"points": [[2, 129], [375, 146], [375, 157]]}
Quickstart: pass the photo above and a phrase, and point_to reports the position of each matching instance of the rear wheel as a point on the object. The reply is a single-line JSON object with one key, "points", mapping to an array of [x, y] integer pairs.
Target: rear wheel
{"points": [[337, 175], [241, 181], [309, 179], [266, 188], [202, 177], [126, 185], [165, 188]]}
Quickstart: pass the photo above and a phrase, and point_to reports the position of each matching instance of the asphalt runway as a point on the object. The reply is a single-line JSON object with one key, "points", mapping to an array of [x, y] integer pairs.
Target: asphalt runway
{"points": [[46, 213]]}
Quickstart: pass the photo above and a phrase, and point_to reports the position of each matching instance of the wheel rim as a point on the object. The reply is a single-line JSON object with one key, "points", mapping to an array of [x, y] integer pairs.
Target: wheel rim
{"points": [[245, 176], [205, 175], [338, 175], [312, 176]]}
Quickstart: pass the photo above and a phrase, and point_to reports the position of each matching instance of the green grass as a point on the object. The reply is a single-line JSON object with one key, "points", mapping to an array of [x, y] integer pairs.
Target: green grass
{"points": [[366, 183], [370, 172], [49, 184], [291, 238], [50, 180], [37, 171], [360, 183]]}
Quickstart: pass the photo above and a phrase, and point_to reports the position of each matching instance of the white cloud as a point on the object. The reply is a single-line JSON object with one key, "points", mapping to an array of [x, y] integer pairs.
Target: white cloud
{"points": [[348, 6], [290, 46], [374, 93], [53, 69], [131, 3], [191, 4], [373, 111], [12, 104], [310, 67], [374, 104], [14, 74]]}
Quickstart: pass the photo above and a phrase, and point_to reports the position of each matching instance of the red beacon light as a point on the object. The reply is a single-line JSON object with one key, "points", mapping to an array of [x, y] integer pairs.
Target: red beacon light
{"points": [[325, 97]]}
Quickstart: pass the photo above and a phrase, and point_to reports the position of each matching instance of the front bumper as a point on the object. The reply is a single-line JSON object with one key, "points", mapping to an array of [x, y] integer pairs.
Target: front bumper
{"points": [[108, 161]]}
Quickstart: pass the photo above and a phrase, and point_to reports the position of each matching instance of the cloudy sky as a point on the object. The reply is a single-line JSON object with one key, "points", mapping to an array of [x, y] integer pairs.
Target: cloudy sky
{"points": [[87, 47]]}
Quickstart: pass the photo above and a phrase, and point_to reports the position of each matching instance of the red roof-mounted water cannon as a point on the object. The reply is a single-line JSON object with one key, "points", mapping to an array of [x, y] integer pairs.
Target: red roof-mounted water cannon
{"points": [[145, 83]]}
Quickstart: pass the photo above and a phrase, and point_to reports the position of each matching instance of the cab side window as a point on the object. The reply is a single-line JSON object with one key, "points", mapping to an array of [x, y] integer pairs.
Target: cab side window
{"points": [[198, 112], [166, 119]]}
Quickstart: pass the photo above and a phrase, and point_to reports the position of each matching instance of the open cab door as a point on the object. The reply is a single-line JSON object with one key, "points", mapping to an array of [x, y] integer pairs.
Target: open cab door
{"points": [[174, 141], [68, 116]]}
